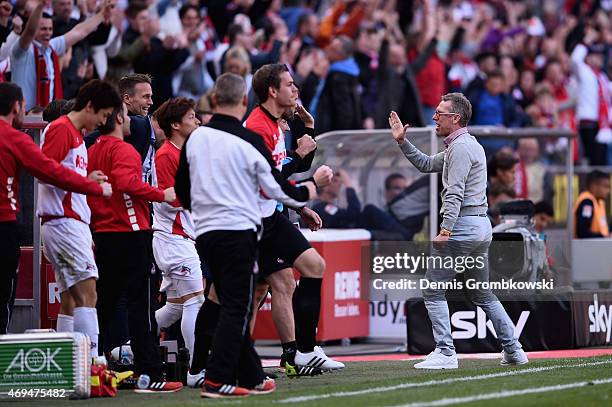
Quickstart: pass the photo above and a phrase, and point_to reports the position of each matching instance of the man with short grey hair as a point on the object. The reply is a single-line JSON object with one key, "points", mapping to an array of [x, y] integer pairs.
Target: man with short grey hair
{"points": [[233, 89], [228, 224], [465, 229]]}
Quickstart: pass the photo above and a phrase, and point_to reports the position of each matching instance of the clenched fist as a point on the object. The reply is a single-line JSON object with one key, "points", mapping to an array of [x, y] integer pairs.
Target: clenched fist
{"points": [[323, 176], [169, 195], [306, 145], [97, 176]]}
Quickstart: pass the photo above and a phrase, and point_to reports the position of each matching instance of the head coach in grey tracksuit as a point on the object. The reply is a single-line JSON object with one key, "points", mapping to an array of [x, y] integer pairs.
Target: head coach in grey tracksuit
{"points": [[465, 226]]}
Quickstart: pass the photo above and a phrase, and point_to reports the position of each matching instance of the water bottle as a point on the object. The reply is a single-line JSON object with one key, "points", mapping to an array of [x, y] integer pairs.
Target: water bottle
{"points": [[143, 382]]}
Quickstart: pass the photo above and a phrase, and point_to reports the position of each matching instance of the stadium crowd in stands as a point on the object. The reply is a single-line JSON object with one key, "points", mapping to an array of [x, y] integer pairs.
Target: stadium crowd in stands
{"points": [[521, 63]]}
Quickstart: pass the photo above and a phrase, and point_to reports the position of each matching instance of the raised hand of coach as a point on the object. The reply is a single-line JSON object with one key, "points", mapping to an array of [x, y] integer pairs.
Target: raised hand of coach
{"points": [[397, 129]]}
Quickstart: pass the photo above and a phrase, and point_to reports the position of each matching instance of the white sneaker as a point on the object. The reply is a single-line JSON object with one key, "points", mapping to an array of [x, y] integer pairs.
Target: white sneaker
{"points": [[517, 357], [195, 381], [317, 358], [437, 360]]}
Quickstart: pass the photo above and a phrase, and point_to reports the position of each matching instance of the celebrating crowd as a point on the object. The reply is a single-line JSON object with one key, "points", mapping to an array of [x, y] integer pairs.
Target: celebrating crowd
{"points": [[520, 63]]}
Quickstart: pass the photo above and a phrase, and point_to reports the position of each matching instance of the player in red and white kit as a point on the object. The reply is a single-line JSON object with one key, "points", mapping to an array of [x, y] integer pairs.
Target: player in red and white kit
{"points": [[173, 229], [282, 246], [122, 236], [18, 150], [65, 216]]}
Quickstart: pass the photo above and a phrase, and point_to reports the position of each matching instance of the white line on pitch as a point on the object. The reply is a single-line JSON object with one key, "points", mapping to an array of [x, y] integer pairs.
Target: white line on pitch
{"points": [[506, 393], [436, 382]]}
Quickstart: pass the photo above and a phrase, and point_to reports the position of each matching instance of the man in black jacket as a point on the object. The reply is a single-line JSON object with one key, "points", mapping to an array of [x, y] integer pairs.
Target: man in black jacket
{"points": [[137, 94], [339, 106], [396, 84]]}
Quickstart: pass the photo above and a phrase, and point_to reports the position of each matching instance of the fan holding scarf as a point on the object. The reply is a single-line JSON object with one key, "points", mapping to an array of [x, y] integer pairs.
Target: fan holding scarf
{"points": [[594, 98], [35, 57]]}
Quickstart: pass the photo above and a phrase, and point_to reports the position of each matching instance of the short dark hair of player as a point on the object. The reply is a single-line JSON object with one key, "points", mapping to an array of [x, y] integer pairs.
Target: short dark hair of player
{"points": [[111, 122], [595, 176], [172, 111], [128, 83], [545, 208], [56, 109], [101, 94], [9, 94], [265, 77]]}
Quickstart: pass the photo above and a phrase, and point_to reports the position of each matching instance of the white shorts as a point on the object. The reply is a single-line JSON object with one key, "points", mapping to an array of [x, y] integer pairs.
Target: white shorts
{"points": [[175, 288], [67, 245], [177, 258]]}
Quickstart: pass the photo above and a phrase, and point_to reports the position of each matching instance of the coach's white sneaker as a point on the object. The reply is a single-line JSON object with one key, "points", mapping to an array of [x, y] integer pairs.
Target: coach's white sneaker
{"points": [[437, 360], [317, 358], [517, 357], [195, 381]]}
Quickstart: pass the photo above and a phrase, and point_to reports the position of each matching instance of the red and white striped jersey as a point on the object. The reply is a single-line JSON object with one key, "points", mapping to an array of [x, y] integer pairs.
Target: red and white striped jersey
{"points": [[170, 218], [63, 142]]}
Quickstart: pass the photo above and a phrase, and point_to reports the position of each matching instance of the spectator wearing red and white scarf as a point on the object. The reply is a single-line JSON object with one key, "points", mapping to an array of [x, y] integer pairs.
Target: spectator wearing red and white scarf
{"points": [[35, 57], [594, 100]]}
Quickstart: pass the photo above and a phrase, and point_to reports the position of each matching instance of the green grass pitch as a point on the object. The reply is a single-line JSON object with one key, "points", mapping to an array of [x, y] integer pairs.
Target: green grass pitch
{"points": [[552, 382]]}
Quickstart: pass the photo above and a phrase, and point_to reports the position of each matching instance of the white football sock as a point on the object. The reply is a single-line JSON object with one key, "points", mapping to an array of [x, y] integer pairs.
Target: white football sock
{"points": [[86, 321], [65, 323], [191, 307]]}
